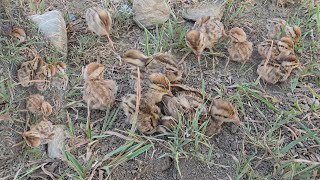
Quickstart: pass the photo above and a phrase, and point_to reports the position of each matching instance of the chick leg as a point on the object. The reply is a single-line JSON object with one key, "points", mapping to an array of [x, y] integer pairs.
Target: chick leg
{"points": [[213, 61], [199, 63], [111, 42]]}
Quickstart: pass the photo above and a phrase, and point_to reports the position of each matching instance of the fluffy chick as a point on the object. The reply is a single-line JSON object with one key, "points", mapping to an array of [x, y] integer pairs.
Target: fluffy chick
{"points": [[239, 49], [165, 63], [282, 47], [271, 72], [38, 134], [289, 63], [98, 93], [185, 102], [148, 116], [204, 34], [27, 71], [36, 104], [43, 76], [149, 112], [221, 111], [99, 21], [60, 80], [278, 28]]}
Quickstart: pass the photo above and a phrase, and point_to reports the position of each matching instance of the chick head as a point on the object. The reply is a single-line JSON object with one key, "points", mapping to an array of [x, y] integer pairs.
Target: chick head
{"points": [[61, 66], [195, 40], [32, 138], [294, 32], [160, 84], [93, 71], [237, 35], [224, 111], [285, 45]]}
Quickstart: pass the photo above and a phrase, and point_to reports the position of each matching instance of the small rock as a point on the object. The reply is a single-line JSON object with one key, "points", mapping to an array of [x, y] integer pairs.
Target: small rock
{"points": [[53, 26], [149, 13], [55, 146], [214, 9]]}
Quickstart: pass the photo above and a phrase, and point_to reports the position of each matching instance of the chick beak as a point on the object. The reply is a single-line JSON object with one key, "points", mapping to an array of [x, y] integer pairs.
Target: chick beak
{"points": [[170, 93]]}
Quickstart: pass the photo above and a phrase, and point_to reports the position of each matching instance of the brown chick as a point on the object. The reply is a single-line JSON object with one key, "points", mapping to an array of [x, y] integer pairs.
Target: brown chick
{"points": [[148, 116], [43, 76], [159, 86], [99, 21], [274, 27], [294, 32], [282, 47], [18, 34], [98, 93], [27, 71], [204, 34], [271, 72], [289, 63], [185, 102], [60, 80], [161, 62], [278, 28], [222, 111], [149, 112], [240, 49], [38, 134], [36, 104]]}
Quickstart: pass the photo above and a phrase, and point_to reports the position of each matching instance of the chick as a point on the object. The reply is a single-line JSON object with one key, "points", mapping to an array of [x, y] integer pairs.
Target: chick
{"points": [[185, 102], [40, 133], [98, 93], [278, 28], [27, 71], [149, 112], [221, 111], [60, 80], [43, 76], [159, 86], [282, 47], [18, 34], [148, 116], [289, 63], [293, 32], [204, 34], [161, 62], [274, 27], [240, 49], [99, 21], [36, 104], [271, 72]]}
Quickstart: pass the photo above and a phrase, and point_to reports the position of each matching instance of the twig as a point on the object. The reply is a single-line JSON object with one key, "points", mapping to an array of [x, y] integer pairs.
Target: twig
{"points": [[183, 58], [121, 136]]}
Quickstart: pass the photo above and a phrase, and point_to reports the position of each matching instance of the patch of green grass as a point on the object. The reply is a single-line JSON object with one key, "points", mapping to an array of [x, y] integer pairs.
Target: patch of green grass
{"points": [[164, 38], [234, 10], [187, 138], [128, 151], [81, 170]]}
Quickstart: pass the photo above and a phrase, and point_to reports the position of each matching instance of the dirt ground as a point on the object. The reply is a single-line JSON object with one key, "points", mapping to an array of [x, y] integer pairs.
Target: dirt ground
{"points": [[279, 138]]}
